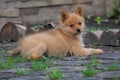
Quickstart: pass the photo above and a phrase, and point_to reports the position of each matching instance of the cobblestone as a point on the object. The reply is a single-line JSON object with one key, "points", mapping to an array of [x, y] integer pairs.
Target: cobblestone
{"points": [[71, 67]]}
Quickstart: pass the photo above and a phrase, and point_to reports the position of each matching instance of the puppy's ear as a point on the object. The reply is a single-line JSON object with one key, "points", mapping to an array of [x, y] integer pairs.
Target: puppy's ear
{"points": [[64, 16], [79, 11]]}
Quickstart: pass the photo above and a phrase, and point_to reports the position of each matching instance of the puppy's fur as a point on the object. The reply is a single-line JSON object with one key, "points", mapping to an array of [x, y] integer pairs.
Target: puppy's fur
{"points": [[66, 38]]}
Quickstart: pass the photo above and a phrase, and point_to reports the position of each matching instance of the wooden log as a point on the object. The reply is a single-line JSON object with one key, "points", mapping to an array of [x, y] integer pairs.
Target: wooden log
{"points": [[104, 38], [7, 31], [109, 38], [118, 34], [21, 29], [92, 38], [11, 32]]}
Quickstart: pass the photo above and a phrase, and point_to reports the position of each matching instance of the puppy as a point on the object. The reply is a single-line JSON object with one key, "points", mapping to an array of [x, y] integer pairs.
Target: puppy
{"points": [[64, 39]]}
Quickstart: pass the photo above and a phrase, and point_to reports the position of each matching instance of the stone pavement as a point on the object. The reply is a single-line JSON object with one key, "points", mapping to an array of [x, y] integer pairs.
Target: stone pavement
{"points": [[71, 67]]}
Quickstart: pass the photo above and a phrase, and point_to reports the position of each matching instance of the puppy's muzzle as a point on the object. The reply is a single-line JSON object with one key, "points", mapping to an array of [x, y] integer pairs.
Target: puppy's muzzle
{"points": [[78, 31]]}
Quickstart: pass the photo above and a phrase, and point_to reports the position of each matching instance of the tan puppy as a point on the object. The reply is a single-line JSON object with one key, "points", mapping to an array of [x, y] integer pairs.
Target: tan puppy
{"points": [[66, 38]]}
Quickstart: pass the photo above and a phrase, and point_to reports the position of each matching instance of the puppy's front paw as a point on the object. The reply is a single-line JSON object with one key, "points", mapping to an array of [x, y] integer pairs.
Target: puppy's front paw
{"points": [[99, 51], [96, 51]]}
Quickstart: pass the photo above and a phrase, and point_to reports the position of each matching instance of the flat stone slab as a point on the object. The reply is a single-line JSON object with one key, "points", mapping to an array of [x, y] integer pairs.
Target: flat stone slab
{"points": [[24, 65], [111, 55], [69, 63], [82, 78], [69, 69], [74, 58], [109, 75], [7, 73], [28, 78]]}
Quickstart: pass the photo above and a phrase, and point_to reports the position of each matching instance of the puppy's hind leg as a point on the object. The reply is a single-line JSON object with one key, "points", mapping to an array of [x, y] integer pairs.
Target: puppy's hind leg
{"points": [[37, 52]]}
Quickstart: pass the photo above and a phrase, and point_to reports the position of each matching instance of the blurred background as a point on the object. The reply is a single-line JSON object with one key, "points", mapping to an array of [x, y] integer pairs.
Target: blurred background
{"points": [[32, 12]]}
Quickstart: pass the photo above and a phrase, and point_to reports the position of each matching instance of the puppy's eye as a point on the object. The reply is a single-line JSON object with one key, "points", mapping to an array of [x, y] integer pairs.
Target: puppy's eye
{"points": [[79, 23], [71, 25]]}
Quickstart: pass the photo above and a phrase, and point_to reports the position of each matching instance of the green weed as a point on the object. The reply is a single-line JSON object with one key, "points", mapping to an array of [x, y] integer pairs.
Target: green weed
{"points": [[88, 17], [6, 64], [54, 74], [19, 59], [89, 72], [21, 72], [114, 66], [38, 26], [93, 62], [41, 65], [93, 29], [98, 20]]}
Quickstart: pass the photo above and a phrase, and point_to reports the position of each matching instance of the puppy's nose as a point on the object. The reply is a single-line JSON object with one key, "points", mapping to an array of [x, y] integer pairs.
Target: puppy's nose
{"points": [[78, 30]]}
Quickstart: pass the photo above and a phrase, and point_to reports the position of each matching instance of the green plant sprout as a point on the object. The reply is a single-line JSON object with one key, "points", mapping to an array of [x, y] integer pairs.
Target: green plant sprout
{"points": [[90, 71], [54, 74], [93, 62], [38, 26], [114, 66], [6, 64], [21, 72], [93, 29], [98, 20], [41, 65], [88, 17]]}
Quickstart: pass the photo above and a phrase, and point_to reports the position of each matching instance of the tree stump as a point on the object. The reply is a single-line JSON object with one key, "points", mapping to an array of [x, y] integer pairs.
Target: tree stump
{"points": [[11, 32], [92, 37], [109, 38], [21, 29], [118, 34], [104, 38]]}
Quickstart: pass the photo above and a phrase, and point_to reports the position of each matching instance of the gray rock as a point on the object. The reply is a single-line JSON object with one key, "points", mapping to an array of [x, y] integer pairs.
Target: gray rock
{"points": [[7, 73], [69, 69], [111, 55], [40, 73], [69, 63], [24, 65], [106, 61], [74, 58], [82, 78], [28, 78]]}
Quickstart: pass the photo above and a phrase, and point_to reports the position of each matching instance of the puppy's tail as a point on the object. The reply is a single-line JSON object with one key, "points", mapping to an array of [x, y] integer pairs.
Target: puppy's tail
{"points": [[14, 52]]}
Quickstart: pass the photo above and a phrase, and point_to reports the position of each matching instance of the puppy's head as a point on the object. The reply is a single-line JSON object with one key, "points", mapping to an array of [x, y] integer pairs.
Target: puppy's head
{"points": [[72, 23]]}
